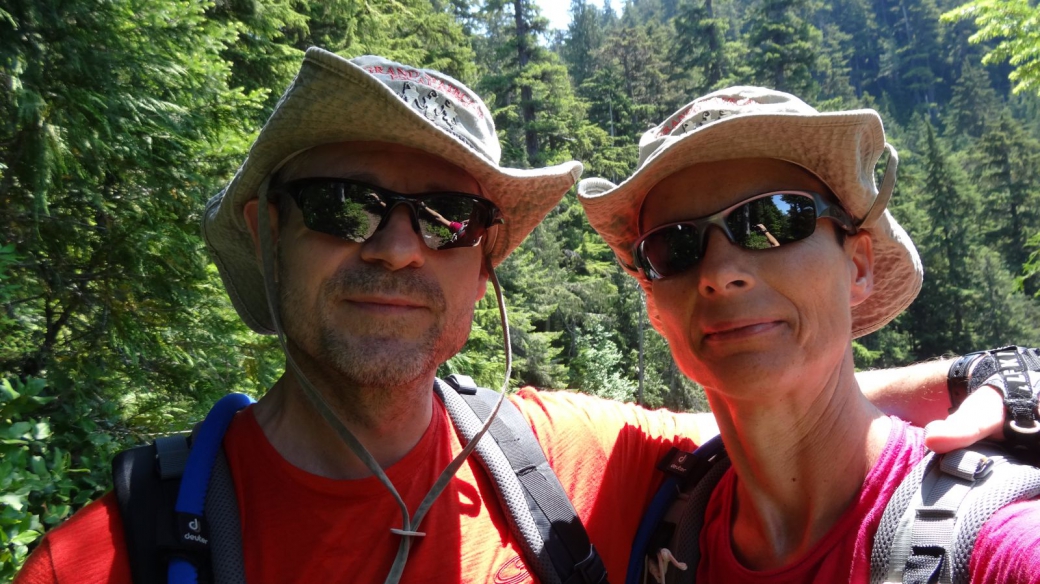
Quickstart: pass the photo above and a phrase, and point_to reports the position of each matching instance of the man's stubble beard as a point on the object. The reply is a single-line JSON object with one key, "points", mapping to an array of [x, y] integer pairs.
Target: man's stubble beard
{"points": [[376, 359]]}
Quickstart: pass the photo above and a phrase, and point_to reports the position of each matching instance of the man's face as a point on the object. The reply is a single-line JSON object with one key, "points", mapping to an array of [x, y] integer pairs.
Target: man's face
{"points": [[387, 311], [742, 317]]}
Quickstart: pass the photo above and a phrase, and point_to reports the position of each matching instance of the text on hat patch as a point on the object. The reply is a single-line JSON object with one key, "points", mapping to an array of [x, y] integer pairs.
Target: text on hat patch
{"points": [[403, 73]]}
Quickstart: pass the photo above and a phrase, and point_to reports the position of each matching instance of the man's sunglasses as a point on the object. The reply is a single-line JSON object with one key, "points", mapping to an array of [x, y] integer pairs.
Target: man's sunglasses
{"points": [[760, 222], [355, 210]]}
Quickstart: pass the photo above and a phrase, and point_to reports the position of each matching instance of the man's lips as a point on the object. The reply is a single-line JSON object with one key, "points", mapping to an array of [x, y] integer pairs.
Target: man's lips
{"points": [[737, 330], [386, 303]]}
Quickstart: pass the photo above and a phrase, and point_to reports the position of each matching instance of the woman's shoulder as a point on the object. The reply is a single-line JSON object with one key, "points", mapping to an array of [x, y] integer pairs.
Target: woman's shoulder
{"points": [[1008, 547]]}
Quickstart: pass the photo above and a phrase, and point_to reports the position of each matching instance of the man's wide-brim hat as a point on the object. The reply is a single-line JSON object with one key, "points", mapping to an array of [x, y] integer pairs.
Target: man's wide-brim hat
{"points": [[841, 148], [371, 98]]}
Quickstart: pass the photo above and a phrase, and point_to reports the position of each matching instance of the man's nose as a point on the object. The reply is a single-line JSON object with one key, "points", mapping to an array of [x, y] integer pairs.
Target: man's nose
{"points": [[724, 267], [396, 244]]}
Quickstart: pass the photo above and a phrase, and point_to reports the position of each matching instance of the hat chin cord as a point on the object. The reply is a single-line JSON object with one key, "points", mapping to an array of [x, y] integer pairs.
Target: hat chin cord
{"points": [[409, 523]]}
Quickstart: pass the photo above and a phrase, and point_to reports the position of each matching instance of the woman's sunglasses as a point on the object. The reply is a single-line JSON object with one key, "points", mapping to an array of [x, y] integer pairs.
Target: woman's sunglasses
{"points": [[760, 222], [355, 210]]}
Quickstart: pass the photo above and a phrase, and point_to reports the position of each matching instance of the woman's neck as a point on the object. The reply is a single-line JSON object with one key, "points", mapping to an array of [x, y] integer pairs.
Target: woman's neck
{"points": [[801, 455]]}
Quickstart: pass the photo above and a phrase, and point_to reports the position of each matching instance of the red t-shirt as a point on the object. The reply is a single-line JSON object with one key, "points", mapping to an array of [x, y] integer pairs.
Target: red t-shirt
{"points": [[1006, 551], [297, 526]]}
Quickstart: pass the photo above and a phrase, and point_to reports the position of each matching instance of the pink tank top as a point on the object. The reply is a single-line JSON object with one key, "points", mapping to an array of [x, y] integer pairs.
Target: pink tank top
{"points": [[1007, 550]]}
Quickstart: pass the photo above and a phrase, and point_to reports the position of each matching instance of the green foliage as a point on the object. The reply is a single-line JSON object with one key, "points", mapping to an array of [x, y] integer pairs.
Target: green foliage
{"points": [[119, 119], [595, 367], [1016, 24], [54, 458]]}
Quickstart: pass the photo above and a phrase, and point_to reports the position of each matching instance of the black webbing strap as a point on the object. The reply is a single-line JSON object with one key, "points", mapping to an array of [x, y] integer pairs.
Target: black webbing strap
{"points": [[146, 486], [573, 556], [1018, 391], [925, 565]]}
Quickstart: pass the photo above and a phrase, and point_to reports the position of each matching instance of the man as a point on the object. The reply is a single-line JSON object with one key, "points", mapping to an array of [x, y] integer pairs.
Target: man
{"points": [[322, 238]]}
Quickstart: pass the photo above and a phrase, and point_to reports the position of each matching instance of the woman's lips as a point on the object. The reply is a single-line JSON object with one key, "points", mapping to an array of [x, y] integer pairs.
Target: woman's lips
{"points": [[735, 331]]}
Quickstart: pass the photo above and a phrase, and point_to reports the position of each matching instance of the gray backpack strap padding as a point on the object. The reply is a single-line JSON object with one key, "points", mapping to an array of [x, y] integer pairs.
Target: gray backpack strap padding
{"points": [[225, 528], [884, 551], [930, 526], [507, 485], [553, 540], [687, 539]]}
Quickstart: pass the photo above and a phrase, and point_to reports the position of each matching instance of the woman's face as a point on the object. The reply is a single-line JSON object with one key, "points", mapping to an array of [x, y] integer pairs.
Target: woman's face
{"points": [[742, 318]]}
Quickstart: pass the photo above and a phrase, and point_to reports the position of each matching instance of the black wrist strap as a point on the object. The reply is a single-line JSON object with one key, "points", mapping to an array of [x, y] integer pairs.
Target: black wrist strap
{"points": [[960, 373], [1007, 369]]}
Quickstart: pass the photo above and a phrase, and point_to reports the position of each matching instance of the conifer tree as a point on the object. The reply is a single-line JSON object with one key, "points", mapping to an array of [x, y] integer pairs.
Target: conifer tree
{"points": [[700, 45], [974, 105], [584, 39], [1010, 175], [949, 202], [782, 46]]}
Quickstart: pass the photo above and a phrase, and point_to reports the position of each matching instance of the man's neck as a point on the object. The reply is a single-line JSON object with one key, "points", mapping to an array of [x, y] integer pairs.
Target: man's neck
{"points": [[799, 465], [389, 422]]}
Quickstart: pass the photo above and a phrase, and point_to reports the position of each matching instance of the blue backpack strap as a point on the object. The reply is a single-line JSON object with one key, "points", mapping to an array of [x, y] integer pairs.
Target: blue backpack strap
{"points": [[675, 522], [192, 529], [148, 484], [556, 546]]}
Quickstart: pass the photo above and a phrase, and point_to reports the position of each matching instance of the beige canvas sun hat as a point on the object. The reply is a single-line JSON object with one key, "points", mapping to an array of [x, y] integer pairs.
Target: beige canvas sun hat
{"points": [[841, 148], [371, 98]]}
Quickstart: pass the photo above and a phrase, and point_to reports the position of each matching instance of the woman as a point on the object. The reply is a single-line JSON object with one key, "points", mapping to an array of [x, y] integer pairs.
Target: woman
{"points": [[754, 224]]}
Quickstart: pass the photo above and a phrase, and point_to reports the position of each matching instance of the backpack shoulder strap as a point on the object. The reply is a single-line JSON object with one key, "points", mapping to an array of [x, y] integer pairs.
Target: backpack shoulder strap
{"points": [[674, 519], [225, 526], [555, 544], [146, 481], [929, 527]]}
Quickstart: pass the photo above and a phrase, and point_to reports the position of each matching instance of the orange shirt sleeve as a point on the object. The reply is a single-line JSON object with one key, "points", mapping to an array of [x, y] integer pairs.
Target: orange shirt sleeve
{"points": [[88, 548], [605, 454]]}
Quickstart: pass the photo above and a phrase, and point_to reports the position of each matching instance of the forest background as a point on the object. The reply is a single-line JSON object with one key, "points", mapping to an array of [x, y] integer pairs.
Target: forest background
{"points": [[120, 118]]}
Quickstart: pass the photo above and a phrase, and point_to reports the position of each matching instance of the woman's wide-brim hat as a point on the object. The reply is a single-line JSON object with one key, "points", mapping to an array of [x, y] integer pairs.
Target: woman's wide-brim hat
{"points": [[371, 98], [841, 148]]}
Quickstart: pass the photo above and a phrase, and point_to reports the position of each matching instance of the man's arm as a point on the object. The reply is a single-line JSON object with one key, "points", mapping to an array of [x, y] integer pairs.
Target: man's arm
{"points": [[917, 393], [920, 395]]}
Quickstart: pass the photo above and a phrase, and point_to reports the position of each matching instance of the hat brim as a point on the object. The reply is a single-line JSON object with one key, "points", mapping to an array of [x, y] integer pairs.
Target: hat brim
{"points": [[333, 100], [809, 141]]}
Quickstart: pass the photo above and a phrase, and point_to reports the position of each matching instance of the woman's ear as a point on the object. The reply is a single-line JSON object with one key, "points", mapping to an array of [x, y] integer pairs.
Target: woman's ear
{"points": [[251, 213], [860, 249]]}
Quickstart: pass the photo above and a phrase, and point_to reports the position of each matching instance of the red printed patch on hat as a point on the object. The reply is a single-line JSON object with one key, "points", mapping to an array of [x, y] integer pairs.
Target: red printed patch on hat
{"points": [[706, 112], [399, 73]]}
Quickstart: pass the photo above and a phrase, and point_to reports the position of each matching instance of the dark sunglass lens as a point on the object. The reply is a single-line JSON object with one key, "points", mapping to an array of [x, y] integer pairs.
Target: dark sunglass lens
{"points": [[448, 221], [772, 221], [345, 210], [672, 250]]}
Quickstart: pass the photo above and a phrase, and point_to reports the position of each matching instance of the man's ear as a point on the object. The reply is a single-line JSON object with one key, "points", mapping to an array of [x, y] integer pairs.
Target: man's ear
{"points": [[251, 212], [860, 248], [482, 278]]}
